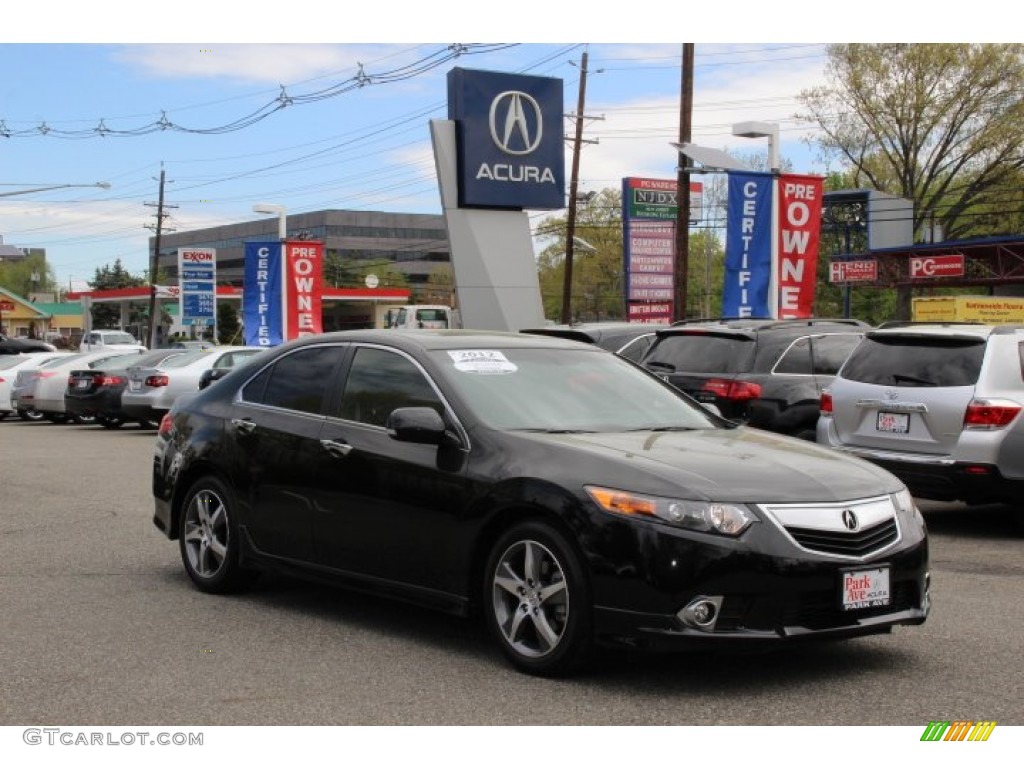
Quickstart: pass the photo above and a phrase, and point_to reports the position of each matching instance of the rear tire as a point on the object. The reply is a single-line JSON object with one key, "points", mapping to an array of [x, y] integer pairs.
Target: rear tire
{"points": [[32, 415], [537, 601], [208, 538], [110, 422]]}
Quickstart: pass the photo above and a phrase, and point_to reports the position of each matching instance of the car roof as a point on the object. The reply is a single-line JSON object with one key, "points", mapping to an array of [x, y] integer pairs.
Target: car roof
{"points": [[978, 330], [752, 326], [411, 340], [595, 333]]}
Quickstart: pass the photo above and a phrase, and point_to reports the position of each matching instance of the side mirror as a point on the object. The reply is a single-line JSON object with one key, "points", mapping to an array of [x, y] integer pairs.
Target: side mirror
{"points": [[211, 375], [416, 425]]}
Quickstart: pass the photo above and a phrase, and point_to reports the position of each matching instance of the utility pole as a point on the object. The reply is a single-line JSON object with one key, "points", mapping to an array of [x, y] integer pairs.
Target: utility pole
{"points": [[154, 261], [683, 187], [570, 231]]}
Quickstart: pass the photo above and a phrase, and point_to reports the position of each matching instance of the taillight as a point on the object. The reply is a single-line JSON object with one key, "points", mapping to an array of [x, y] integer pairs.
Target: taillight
{"points": [[732, 389], [166, 425], [45, 374], [826, 403], [109, 381], [157, 381], [990, 414]]}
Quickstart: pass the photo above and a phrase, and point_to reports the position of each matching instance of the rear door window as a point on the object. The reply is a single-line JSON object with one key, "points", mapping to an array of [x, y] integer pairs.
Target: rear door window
{"points": [[298, 381], [916, 361], [797, 359], [830, 352]]}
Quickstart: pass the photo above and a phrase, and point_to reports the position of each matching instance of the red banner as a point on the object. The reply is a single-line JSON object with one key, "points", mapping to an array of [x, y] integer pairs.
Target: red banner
{"points": [[799, 236], [303, 277]]}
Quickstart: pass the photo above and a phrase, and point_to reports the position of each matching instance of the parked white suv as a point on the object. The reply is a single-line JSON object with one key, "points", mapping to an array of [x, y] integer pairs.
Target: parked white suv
{"points": [[938, 405], [97, 341]]}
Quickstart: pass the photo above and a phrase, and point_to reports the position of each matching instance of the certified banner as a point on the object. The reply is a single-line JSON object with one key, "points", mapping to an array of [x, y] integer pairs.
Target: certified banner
{"points": [[262, 295], [748, 245], [799, 236], [304, 266]]}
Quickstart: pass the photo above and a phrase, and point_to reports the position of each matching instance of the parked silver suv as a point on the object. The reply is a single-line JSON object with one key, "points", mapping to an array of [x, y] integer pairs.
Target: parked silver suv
{"points": [[938, 405]]}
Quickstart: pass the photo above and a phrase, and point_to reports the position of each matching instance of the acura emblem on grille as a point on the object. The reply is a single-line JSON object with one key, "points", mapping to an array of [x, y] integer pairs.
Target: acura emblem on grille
{"points": [[850, 520]]}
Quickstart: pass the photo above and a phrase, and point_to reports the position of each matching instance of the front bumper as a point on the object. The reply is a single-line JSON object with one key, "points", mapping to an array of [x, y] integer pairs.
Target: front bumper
{"points": [[767, 589]]}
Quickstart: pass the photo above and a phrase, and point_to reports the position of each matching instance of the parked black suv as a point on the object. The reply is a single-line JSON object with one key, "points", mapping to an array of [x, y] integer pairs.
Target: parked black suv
{"points": [[765, 373]]}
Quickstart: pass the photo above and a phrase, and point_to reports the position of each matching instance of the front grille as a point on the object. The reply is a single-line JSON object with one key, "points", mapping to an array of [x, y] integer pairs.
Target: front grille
{"points": [[849, 543]]}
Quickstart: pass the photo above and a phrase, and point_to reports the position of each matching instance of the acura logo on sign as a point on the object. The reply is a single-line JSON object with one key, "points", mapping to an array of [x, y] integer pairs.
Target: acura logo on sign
{"points": [[510, 126], [850, 520]]}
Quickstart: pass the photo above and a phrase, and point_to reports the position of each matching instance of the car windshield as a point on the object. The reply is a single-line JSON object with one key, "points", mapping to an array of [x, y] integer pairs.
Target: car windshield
{"points": [[117, 338], [118, 361], [65, 359], [560, 390], [701, 353], [186, 358]]}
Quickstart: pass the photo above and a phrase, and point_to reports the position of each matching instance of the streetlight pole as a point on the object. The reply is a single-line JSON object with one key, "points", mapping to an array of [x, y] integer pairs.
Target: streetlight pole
{"points": [[282, 217], [755, 129], [48, 187]]}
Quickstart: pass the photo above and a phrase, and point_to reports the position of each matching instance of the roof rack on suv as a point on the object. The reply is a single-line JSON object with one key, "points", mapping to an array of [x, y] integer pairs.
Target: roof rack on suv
{"points": [[768, 322], [912, 323]]}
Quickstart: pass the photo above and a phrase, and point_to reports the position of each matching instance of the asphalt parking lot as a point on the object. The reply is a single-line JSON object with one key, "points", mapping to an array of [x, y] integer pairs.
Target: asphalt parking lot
{"points": [[101, 626]]}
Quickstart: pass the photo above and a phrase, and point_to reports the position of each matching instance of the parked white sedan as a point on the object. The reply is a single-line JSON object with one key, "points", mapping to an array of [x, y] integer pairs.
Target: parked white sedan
{"points": [[10, 367], [152, 391], [43, 391]]}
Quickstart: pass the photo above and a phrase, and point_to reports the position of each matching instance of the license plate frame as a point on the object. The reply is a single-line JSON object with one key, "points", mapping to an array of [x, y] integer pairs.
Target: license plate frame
{"points": [[892, 423], [865, 588]]}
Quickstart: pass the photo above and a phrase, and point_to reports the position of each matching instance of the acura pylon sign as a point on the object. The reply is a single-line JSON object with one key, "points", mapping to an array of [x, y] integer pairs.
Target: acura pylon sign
{"points": [[509, 138]]}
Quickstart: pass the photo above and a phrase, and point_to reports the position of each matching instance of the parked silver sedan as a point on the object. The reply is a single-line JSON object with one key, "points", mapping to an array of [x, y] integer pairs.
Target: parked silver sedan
{"points": [[42, 390], [152, 391]]}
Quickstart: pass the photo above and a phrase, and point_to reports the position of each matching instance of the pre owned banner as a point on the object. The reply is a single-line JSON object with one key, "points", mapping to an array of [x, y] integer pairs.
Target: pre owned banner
{"points": [[262, 295], [799, 235], [304, 275], [748, 246]]}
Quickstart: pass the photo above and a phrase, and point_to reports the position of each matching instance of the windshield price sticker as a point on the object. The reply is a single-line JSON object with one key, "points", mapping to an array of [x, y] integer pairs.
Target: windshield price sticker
{"points": [[486, 361], [865, 589]]}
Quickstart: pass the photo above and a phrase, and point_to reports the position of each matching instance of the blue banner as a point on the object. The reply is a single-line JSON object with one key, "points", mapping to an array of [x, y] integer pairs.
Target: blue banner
{"points": [[748, 246], [262, 295]]}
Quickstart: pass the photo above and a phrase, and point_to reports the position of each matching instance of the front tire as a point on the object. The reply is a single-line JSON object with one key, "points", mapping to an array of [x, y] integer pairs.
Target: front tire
{"points": [[208, 538], [537, 601]]}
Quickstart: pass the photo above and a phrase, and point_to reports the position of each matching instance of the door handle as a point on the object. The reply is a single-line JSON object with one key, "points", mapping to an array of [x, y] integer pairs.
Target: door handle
{"points": [[244, 426], [335, 448]]}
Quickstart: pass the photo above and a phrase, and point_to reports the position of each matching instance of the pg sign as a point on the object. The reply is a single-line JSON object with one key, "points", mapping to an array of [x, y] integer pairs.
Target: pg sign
{"points": [[509, 140], [937, 266]]}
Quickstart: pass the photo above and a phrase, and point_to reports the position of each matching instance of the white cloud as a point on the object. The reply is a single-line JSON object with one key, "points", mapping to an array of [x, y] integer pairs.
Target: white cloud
{"points": [[276, 64]]}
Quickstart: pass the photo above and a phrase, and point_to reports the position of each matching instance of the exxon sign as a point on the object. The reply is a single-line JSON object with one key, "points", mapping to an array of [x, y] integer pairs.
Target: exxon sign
{"points": [[510, 143]]}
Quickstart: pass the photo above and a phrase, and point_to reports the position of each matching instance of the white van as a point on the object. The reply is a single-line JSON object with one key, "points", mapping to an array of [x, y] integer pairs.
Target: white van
{"points": [[424, 316], [97, 341]]}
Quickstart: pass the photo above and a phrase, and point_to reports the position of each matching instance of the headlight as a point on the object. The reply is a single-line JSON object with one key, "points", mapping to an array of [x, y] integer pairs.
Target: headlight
{"points": [[706, 516], [905, 506]]}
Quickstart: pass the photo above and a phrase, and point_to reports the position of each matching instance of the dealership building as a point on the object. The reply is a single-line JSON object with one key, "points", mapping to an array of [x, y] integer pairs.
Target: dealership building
{"points": [[355, 243]]}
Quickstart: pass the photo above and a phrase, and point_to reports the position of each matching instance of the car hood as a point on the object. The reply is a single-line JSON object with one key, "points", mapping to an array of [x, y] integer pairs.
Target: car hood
{"points": [[741, 465]]}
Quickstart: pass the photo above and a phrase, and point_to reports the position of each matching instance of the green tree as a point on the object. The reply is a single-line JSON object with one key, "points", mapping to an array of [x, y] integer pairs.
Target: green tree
{"points": [[116, 276], [27, 276], [938, 124], [229, 328], [597, 289]]}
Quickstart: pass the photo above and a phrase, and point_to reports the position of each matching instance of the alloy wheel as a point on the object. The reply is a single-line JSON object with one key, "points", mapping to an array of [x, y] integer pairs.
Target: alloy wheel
{"points": [[530, 599], [206, 539]]}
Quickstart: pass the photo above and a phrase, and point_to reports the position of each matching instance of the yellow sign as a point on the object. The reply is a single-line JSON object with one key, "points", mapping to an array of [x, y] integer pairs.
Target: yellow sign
{"points": [[994, 310]]}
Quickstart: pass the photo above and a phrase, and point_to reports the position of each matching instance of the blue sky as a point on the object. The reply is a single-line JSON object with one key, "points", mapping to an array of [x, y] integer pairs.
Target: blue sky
{"points": [[364, 148]]}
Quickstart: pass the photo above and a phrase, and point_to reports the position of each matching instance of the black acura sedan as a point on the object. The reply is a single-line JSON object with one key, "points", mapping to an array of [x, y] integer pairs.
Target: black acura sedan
{"points": [[571, 498]]}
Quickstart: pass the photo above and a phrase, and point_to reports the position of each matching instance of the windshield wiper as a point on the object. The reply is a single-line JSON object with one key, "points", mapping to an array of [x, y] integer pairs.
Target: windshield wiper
{"points": [[897, 378], [656, 364], [558, 431], [661, 429]]}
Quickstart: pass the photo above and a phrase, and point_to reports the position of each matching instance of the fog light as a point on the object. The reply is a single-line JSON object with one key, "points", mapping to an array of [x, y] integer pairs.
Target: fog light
{"points": [[701, 612]]}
